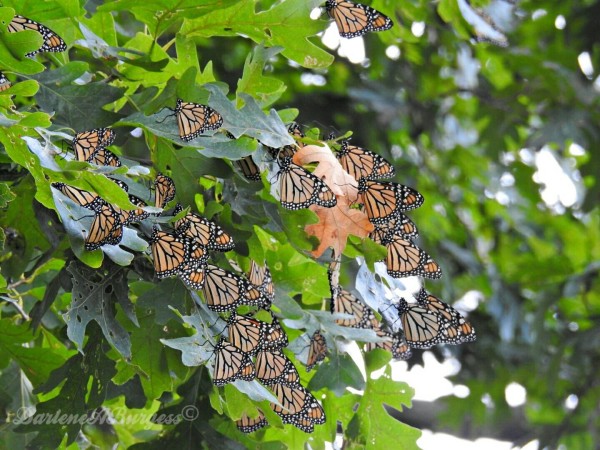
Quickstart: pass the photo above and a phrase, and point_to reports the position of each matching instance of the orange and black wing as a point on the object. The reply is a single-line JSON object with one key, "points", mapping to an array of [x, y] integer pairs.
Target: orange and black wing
{"points": [[355, 19], [194, 119], [52, 41], [299, 188]]}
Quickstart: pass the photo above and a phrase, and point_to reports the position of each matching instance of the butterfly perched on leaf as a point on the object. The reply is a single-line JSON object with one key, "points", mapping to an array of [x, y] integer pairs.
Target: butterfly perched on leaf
{"points": [[193, 119], [225, 291], [355, 19], [249, 168], [421, 326], [298, 406], [455, 329], [401, 226], [299, 188], [260, 276], [274, 367], [317, 350], [169, 252], [360, 162], [231, 364], [90, 146], [395, 343], [383, 201], [203, 231], [164, 190], [248, 424], [405, 259], [346, 303], [52, 41]]}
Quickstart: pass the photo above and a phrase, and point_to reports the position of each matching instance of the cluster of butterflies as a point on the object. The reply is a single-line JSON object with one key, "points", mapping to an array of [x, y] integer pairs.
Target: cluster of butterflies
{"points": [[253, 348], [352, 20], [184, 252], [384, 202], [109, 220], [428, 322]]}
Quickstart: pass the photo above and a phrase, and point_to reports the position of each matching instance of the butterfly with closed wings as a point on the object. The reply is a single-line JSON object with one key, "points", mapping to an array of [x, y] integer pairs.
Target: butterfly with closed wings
{"points": [[299, 188], [383, 201], [193, 119], [363, 163], [355, 19]]}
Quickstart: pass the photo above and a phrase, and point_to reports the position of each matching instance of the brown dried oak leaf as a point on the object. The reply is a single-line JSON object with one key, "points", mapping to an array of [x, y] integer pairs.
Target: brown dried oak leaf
{"points": [[335, 224]]}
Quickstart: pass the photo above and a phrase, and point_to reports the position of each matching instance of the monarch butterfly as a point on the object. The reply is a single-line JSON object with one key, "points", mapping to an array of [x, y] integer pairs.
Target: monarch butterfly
{"points": [[261, 277], [455, 329], [384, 200], [104, 157], [4, 82], [52, 41], [405, 259], [164, 190], [360, 162], [231, 364], [288, 150], [421, 326], [355, 19], [317, 350], [90, 146], [275, 367], [299, 188], [169, 252], [194, 119], [249, 168], [345, 302], [298, 406], [105, 229], [399, 226], [395, 344], [274, 337], [245, 332], [135, 215], [249, 425], [225, 291], [83, 198], [204, 231], [193, 272], [126, 216]]}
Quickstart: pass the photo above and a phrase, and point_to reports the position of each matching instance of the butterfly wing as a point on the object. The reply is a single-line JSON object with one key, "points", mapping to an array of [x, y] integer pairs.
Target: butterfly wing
{"points": [[359, 162], [52, 41], [355, 19], [299, 188]]}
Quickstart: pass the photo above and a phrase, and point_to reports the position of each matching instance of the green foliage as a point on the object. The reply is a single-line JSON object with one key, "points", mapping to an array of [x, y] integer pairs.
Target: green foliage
{"points": [[462, 121]]}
